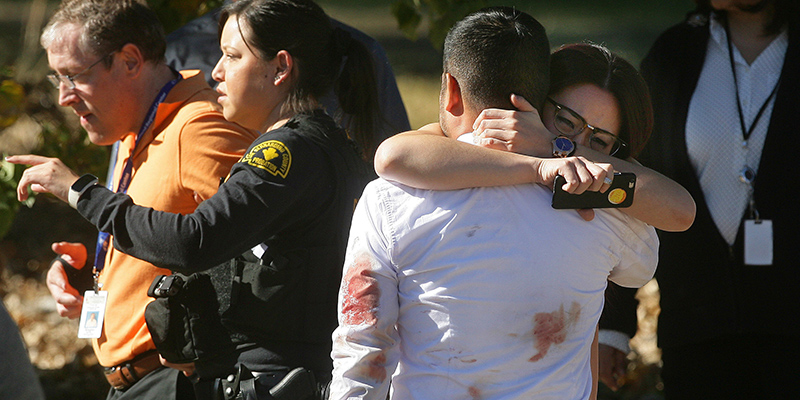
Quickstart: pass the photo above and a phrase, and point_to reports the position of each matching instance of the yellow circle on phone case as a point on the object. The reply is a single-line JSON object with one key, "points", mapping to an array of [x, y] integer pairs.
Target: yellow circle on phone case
{"points": [[616, 196]]}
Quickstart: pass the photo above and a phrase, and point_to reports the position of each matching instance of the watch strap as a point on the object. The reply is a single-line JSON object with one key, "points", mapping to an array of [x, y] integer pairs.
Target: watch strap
{"points": [[79, 187]]}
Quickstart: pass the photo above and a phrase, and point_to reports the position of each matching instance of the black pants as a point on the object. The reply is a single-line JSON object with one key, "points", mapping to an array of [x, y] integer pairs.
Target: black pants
{"points": [[163, 383], [733, 367]]}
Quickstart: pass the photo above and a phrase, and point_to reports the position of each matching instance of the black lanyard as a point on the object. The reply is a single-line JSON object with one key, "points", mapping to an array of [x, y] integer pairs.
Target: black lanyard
{"points": [[745, 132]]}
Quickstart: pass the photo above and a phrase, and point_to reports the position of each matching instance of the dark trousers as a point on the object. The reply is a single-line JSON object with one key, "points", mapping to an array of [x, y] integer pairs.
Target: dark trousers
{"points": [[733, 367], [163, 383]]}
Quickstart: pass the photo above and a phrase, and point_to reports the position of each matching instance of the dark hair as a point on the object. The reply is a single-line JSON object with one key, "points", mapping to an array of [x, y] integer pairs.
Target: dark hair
{"points": [[582, 63], [498, 51], [108, 25], [784, 11], [324, 57]]}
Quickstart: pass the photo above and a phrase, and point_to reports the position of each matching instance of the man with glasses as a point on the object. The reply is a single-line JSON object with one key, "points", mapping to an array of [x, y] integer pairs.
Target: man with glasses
{"points": [[175, 145]]}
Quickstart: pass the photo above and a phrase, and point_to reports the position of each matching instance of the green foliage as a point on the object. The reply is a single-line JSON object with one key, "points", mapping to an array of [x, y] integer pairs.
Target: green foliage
{"points": [[440, 14], [9, 176], [175, 13], [60, 137]]}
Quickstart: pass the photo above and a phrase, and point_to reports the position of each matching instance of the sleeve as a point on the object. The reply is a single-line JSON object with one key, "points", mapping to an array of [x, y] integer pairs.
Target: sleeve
{"points": [[277, 183], [208, 149], [638, 254], [366, 342]]}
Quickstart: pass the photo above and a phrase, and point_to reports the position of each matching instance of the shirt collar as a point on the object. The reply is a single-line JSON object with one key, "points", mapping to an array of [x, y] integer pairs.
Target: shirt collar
{"points": [[718, 34]]}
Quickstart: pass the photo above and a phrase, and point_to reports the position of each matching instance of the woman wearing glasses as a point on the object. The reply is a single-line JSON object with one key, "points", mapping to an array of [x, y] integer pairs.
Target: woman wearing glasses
{"points": [[597, 100]]}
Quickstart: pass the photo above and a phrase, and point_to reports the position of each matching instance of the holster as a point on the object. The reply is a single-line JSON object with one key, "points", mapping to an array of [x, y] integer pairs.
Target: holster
{"points": [[297, 384]]}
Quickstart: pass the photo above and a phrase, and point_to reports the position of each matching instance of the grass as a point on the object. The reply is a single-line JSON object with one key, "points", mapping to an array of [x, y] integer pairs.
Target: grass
{"points": [[627, 27]]}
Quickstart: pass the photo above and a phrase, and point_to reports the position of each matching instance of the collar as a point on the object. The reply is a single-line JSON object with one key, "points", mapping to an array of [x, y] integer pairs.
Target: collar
{"points": [[718, 35]]}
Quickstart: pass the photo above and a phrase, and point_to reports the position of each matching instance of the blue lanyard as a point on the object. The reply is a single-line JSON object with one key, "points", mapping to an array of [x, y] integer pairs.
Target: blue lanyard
{"points": [[103, 238]]}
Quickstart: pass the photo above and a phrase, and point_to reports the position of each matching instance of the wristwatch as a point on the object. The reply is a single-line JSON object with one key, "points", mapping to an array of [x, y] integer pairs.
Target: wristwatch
{"points": [[81, 185], [563, 146]]}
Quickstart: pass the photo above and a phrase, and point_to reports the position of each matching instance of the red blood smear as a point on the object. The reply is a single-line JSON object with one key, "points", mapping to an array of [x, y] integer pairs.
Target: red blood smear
{"points": [[551, 328], [360, 301], [474, 392]]}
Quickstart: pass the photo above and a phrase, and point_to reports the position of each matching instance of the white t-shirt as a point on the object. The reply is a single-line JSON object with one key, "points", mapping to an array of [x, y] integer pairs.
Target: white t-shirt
{"points": [[478, 293]]}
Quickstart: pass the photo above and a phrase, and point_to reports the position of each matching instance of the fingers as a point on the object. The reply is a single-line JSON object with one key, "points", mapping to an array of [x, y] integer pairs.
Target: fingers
{"points": [[46, 175], [522, 131], [602, 175], [27, 159], [491, 114], [68, 300], [491, 143], [188, 368], [613, 366], [69, 305], [576, 174], [74, 253], [586, 213], [579, 174], [520, 103]]}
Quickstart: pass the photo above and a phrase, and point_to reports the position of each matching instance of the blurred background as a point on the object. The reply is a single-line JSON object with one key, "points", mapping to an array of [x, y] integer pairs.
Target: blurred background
{"points": [[410, 31]]}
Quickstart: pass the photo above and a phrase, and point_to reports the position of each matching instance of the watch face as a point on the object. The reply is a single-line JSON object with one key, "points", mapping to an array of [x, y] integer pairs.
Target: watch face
{"points": [[563, 145], [82, 182]]}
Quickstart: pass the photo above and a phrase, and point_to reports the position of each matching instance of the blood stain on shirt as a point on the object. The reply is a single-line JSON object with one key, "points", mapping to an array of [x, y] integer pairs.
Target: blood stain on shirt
{"points": [[360, 302], [474, 392], [373, 367], [551, 328]]}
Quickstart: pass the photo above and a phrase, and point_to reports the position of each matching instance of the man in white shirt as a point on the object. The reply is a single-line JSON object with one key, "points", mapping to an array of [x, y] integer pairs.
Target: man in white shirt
{"points": [[485, 292]]}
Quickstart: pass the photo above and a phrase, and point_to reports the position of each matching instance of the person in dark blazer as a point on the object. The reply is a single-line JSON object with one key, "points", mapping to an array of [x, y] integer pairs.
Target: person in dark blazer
{"points": [[725, 115]]}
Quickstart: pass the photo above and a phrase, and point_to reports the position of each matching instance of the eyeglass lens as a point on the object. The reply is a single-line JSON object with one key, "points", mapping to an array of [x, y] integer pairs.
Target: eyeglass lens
{"points": [[571, 124], [69, 80]]}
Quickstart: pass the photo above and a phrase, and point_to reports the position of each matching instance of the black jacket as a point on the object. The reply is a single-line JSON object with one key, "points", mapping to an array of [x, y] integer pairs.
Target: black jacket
{"points": [[294, 190], [706, 291]]}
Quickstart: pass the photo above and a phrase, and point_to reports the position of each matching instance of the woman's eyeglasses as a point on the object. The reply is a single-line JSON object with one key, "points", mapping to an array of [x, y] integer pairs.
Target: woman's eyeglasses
{"points": [[570, 123], [69, 80]]}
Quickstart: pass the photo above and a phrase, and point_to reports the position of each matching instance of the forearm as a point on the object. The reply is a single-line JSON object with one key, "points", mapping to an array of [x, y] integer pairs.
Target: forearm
{"points": [[182, 243], [428, 161], [658, 200]]}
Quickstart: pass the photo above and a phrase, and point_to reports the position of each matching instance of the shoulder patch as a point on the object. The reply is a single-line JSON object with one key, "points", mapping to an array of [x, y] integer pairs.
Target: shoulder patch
{"points": [[271, 156]]}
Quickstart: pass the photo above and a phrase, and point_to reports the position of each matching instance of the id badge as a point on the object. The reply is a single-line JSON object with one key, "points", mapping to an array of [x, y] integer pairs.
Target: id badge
{"points": [[758, 242], [92, 314]]}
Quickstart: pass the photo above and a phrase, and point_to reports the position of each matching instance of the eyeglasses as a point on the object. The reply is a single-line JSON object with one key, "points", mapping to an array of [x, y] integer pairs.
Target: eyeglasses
{"points": [[570, 123], [69, 80]]}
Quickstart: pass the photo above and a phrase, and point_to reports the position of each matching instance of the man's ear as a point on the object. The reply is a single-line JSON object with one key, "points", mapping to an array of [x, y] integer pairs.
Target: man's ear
{"points": [[132, 59], [453, 101]]}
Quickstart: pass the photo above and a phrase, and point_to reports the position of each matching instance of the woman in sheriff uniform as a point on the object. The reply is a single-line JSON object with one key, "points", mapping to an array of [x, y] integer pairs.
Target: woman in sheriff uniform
{"points": [[283, 213]]}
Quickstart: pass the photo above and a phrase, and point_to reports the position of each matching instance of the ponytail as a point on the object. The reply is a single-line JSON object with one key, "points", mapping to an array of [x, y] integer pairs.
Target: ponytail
{"points": [[356, 89], [325, 56]]}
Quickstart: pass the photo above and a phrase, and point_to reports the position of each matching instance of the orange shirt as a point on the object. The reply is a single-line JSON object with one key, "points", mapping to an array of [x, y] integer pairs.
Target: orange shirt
{"points": [[189, 147]]}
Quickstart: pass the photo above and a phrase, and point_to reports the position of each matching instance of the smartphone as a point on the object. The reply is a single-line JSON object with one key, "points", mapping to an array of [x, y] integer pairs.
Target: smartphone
{"points": [[619, 195]]}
